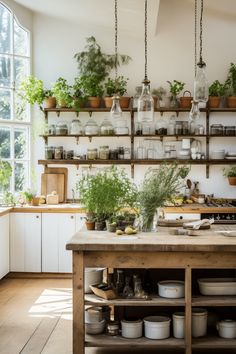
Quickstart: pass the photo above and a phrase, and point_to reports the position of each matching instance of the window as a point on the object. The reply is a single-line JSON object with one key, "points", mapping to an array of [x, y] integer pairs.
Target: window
{"points": [[14, 118]]}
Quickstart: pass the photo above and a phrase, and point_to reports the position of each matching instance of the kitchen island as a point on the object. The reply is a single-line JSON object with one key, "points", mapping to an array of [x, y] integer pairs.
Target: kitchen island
{"points": [[158, 250]]}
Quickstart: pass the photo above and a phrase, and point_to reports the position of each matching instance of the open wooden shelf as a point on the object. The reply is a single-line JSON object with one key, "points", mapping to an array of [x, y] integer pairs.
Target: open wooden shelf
{"points": [[83, 136], [213, 342], [104, 340], [213, 300], [92, 300]]}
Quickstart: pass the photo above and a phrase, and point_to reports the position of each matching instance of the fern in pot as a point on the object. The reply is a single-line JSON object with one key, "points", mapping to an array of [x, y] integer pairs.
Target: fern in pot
{"points": [[159, 186]]}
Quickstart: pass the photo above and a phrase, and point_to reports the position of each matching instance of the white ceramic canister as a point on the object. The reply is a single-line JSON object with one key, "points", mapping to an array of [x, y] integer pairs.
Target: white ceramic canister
{"points": [[199, 322], [226, 328], [93, 314], [92, 276], [132, 329], [178, 324], [172, 289], [157, 327]]}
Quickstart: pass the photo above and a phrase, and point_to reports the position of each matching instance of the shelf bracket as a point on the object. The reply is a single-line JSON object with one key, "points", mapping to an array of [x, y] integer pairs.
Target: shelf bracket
{"points": [[58, 113], [207, 171], [77, 114], [132, 170], [90, 113], [77, 140], [90, 139]]}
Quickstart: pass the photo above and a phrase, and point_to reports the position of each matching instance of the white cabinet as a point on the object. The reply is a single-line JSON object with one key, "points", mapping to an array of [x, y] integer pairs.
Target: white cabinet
{"points": [[4, 245], [57, 229], [25, 242]]}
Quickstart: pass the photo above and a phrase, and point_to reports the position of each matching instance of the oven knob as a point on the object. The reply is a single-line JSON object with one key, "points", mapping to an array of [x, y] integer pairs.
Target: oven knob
{"points": [[218, 217], [228, 217], [233, 217]]}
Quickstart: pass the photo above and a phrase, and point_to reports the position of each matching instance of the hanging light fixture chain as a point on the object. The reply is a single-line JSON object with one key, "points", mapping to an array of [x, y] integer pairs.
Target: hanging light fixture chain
{"points": [[201, 15], [145, 40], [116, 37], [195, 39]]}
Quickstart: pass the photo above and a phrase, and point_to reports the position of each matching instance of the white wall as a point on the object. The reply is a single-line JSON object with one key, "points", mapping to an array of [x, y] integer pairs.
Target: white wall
{"points": [[171, 56]]}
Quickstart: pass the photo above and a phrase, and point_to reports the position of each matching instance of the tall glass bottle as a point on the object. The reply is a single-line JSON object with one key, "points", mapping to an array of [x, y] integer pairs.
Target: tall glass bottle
{"points": [[201, 84], [145, 104], [194, 116]]}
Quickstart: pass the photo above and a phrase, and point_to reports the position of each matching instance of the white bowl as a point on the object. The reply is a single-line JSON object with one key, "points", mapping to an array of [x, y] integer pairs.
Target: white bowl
{"points": [[157, 327], [132, 329], [95, 327], [172, 289]]}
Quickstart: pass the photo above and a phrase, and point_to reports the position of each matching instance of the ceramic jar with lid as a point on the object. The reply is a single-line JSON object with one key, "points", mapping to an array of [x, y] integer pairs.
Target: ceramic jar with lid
{"points": [[132, 329], [157, 327], [178, 324], [226, 328]]}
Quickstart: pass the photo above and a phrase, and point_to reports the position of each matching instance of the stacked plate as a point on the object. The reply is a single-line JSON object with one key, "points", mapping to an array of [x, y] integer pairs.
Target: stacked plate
{"points": [[231, 155]]}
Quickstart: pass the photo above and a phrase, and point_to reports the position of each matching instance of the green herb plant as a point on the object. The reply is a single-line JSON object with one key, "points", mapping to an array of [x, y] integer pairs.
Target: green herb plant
{"points": [[229, 171], [230, 83], [5, 175], [107, 192], [62, 91], [90, 86], [159, 186], [118, 86], [216, 89], [28, 196], [176, 87]]}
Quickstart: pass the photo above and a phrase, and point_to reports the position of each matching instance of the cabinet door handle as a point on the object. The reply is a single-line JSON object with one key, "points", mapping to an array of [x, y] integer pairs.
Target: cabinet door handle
{"points": [[37, 216], [72, 216]]}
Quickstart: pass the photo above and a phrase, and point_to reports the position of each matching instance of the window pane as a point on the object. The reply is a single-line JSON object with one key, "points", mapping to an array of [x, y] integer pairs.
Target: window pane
{"points": [[21, 109], [5, 104], [5, 143], [5, 67], [20, 137], [5, 175], [21, 69], [5, 30], [21, 179], [21, 40]]}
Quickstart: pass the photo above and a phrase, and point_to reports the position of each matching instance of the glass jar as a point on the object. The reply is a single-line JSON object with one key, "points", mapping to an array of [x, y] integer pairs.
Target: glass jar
{"points": [[49, 152], [113, 154], [138, 91], [52, 129], [185, 126], [58, 153], [113, 328], [199, 130], [104, 152], [179, 128], [161, 127], [92, 154], [106, 127], [127, 154], [127, 291], [91, 127], [76, 127], [61, 128], [69, 155], [138, 128], [121, 153], [147, 128], [216, 129], [171, 126], [229, 130], [138, 289]]}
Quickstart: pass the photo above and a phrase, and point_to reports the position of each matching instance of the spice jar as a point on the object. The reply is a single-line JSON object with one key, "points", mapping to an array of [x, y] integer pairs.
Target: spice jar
{"points": [[49, 152], [107, 127], [58, 153], [229, 130], [113, 328], [61, 128], [113, 154], [179, 128], [121, 153], [104, 152], [92, 154], [216, 129], [199, 130], [52, 129]]}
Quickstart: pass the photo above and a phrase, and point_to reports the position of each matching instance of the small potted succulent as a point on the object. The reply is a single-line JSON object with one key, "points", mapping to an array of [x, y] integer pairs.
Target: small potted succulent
{"points": [[216, 91], [175, 88], [62, 91], [116, 86], [230, 173], [158, 96], [230, 85]]}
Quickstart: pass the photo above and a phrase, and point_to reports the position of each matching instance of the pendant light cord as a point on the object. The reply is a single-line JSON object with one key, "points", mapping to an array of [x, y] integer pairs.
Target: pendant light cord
{"points": [[116, 41], [195, 39], [201, 16], [145, 41]]}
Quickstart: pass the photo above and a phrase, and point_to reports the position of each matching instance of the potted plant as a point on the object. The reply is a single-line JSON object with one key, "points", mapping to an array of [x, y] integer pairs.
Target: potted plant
{"points": [[28, 196], [230, 85], [175, 88], [79, 100], [116, 86], [49, 101], [230, 173], [31, 91], [105, 193], [158, 96], [90, 221], [63, 93], [186, 101], [216, 91], [159, 186], [91, 88]]}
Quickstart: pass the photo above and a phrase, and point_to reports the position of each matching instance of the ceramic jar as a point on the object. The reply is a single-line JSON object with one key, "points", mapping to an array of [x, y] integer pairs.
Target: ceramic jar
{"points": [[178, 324], [157, 327], [199, 322], [226, 329], [132, 329]]}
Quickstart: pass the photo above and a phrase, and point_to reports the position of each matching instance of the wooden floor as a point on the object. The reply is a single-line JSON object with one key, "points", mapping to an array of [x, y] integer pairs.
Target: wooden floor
{"points": [[36, 317]]}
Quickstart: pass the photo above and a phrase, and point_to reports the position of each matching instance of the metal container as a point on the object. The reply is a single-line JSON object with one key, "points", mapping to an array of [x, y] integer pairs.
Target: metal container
{"points": [[113, 328]]}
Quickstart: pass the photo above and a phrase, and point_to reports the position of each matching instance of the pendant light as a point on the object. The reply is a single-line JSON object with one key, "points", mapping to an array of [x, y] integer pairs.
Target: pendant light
{"points": [[200, 81], [145, 102], [120, 122]]}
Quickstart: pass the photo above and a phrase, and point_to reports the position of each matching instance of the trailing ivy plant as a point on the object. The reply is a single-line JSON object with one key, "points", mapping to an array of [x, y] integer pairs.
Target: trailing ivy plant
{"points": [[92, 61]]}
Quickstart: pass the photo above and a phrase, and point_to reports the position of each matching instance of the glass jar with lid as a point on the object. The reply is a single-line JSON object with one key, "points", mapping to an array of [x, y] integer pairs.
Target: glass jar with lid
{"points": [[216, 129], [52, 129], [229, 130], [61, 128], [91, 127], [58, 153], [161, 127], [106, 127], [104, 152], [92, 154], [49, 152], [76, 127]]}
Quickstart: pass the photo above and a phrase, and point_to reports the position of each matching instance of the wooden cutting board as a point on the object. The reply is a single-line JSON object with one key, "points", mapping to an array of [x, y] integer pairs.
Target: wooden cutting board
{"points": [[56, 170], [53, 182]]}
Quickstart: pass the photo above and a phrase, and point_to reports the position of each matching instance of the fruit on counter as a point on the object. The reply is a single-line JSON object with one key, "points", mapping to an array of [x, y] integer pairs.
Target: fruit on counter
{"points": [[189, 201], [119, 232], [129, 230], [42, 199]]}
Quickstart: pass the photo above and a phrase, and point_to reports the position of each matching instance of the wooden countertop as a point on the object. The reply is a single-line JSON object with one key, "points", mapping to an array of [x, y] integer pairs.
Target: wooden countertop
{"points": [[60, 208], [5, 211], [198, 209], [209, 241]]}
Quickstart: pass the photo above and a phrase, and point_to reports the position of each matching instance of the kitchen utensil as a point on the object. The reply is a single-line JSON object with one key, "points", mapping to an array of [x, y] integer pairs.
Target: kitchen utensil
{"points": [[178, 324], [132, 329], [226, 328], [157, 327], [95, 327], [171, 289], [199, 224], [199, 322], [217, 286], [53, 182]]}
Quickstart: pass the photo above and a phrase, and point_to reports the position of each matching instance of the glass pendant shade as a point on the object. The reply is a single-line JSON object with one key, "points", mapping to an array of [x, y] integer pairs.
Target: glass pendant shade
{"points": [[116, 111], [201, 84], [145, 104]]}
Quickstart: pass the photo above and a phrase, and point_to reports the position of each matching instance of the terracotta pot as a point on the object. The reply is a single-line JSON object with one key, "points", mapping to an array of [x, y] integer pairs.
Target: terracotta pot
{"points": [[90, 225], [35, 201], [231, 101], [214, 101], [108, 102], [50, 102], [94, 102], [185, 102], [124, 102], [232, 181]]}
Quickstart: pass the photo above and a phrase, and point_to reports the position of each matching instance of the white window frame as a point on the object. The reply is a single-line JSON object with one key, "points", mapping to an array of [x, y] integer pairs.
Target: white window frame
{"points": [[13, 123]]}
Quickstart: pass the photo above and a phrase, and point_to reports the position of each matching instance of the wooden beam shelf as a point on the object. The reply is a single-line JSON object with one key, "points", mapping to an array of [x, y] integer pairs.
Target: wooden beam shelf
{"points": [[213, 342], [214, 301]]}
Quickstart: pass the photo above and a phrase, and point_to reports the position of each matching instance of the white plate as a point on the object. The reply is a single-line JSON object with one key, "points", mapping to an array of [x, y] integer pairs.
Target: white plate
{"points": [[231, 233], [230, 157]]}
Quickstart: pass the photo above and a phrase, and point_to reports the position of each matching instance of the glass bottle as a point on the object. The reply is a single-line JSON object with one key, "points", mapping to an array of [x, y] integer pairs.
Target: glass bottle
{"points": [[119, 281], [127, 291], [120, 123], [141, 151], [171, 126], [201, 84], [194, 116], [145, 104], [138, 91], [138, 289]]}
